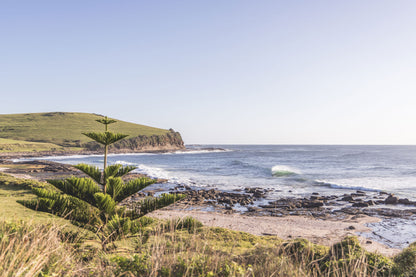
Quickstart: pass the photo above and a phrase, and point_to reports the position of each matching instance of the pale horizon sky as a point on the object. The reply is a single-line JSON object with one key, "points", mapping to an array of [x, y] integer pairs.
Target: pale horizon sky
{"points": [[219, 72]]}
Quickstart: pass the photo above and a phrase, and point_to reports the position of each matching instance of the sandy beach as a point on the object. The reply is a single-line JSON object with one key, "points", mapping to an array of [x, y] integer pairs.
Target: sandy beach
{"points": [[325, 232]]}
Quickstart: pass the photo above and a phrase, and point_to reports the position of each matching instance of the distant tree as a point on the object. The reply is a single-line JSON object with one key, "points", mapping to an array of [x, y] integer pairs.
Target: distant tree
{"points": [[92, 202]]}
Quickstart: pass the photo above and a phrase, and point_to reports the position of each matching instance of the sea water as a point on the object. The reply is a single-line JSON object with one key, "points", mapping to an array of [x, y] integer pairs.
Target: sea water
{"points": [[285, 170]]}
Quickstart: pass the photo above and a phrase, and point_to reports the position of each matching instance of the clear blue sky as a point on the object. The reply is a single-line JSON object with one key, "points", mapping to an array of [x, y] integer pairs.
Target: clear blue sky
{"points": [[272, 72]]}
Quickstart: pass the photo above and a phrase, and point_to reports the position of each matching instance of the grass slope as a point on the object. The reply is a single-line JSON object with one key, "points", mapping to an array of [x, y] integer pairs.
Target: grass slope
{"points": [[63, 129], [10, 145], [14, 189]]}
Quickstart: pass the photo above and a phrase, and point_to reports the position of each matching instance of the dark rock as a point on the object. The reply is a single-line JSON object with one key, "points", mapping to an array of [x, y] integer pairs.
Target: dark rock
{"points": [[312, 204], [347, 198], [391, 200], [253, 209], [404, 201], [360, 204]]}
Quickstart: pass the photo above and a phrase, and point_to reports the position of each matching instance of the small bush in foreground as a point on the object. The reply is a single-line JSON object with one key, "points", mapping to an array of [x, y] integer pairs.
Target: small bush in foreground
{"points": [[406, 262]]}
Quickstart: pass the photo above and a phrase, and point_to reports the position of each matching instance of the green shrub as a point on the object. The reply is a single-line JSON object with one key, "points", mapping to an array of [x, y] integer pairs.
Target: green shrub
{"points": [[406, 261], [349, 257], [303, 250], [138, 265]]}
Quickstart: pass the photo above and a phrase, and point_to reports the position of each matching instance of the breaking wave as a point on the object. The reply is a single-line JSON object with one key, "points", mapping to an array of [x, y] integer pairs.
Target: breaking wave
{"points": [[339, 186], [283, 170]]}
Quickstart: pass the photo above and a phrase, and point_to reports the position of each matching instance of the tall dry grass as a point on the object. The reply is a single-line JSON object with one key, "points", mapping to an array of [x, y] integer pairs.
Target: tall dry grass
{"points": [[180, 249], [39, 250], [199, 252]]}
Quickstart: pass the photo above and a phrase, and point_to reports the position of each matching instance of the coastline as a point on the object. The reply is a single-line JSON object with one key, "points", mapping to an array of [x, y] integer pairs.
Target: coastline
{"points": [[4, 156], [325, 230]]}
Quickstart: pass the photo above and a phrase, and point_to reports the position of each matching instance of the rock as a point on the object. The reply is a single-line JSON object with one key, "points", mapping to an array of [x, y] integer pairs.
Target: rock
{"points": [[404, 201], [360, 204], [253, 209], [358, 193], [229, 208], [347, 198], [391, 200], [312, 204]]}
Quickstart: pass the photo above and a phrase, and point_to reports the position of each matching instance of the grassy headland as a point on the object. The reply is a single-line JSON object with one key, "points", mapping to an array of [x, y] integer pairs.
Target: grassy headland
{"points": [[60, 131]]}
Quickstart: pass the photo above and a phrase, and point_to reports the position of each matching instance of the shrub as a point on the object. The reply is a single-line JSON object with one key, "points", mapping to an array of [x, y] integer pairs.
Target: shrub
{"points": [[406, 261]]}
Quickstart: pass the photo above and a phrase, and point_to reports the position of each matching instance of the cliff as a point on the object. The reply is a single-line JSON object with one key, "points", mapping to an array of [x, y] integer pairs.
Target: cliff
{"points": [[166, 142]]}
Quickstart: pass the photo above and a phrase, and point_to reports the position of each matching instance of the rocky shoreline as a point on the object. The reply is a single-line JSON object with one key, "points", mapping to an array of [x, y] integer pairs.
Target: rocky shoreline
{"points": [[378, 204], [249, 201]]}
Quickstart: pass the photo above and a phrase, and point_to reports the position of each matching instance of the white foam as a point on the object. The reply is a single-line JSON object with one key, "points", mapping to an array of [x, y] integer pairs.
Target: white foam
{"points": [[124, 163], [157, 172], [284, 169], [334, 185], [198, 151], [181, 152], [399, 185]]}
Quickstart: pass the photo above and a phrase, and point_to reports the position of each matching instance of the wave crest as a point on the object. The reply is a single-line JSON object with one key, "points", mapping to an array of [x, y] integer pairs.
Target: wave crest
{"points": [[283, 170]]}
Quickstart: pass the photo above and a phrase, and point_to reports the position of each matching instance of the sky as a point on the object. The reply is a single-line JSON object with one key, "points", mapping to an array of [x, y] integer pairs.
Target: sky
{"points": [[219, 72]]}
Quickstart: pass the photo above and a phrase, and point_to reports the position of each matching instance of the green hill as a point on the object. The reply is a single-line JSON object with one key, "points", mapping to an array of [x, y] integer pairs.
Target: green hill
{"points": [[60, 129]]}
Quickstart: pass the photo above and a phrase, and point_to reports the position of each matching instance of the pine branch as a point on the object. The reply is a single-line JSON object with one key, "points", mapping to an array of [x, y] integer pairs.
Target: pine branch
{"points": [[132, 187], [105, 203], [114, 187], [92, 171], [82, 188], [117, 170], [65, 206], [151, 204], [106, 121], [105, 138]]}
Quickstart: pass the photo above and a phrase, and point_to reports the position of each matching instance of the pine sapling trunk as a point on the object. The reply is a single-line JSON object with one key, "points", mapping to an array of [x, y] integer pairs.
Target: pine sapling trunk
{"points": [[105, 166]]}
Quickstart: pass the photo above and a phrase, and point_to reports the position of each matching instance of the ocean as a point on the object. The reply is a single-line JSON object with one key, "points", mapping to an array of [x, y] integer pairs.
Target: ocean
{"points": [[287, 171]]}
